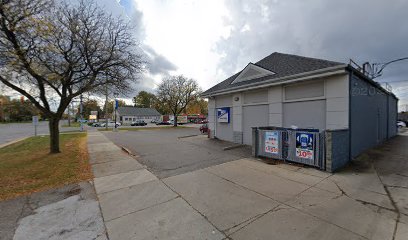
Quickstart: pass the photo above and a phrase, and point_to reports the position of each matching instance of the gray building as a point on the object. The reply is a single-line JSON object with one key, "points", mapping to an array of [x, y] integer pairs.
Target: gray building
{"points": [[127, 115], [288, 91]]}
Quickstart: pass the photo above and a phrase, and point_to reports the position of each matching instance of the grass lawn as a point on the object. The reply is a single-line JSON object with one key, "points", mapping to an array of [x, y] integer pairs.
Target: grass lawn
{"points": [[26, 166], [73, 124]]}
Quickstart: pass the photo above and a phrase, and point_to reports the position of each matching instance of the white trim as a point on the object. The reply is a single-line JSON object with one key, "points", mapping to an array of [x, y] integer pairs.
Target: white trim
{"points": [[305, 99], [279, 81], [263, 72], [254, 104]]}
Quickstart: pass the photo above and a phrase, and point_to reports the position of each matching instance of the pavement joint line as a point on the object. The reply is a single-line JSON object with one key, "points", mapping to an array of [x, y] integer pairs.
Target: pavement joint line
{"points": [[118, 172], [300, 210], [126, 186], [394, 204], [205, 217], [249, 221], [120, 159], [322, 179], [100, 210], [139, 210]]}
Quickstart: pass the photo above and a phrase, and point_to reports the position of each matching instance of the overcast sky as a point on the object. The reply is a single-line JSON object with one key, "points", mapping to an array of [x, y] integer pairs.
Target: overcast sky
{"points": [[209, 40], [213, 39]]}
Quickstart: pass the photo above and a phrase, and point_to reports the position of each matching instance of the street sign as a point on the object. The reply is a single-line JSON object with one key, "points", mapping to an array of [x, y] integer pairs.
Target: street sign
{"points": [[35, 123], [116, 104], [35, 120]]}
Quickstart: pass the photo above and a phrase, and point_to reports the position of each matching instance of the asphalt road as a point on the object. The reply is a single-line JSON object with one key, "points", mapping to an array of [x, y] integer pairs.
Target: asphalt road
{"points": [[166, 154], [13, 131]]}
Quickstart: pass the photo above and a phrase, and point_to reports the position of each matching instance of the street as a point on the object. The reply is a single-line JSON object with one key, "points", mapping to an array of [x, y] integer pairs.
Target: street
{"points": [[13, 131]]}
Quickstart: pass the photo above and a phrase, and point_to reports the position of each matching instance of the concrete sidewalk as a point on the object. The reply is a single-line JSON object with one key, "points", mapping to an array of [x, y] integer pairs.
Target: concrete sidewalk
{"points": [[136, 204], [249, 199]]}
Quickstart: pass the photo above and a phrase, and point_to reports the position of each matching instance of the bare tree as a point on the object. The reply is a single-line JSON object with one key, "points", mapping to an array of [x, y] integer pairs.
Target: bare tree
{"points": [[53, 52], [176, 92]]}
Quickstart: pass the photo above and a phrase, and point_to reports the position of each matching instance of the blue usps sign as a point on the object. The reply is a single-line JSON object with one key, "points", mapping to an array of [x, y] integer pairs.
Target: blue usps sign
{"points": [[223, 115]]}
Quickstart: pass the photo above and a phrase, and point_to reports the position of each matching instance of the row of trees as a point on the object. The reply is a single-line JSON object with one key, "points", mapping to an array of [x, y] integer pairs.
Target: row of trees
{"points": [[54, 51], [162, 101], [150, 100], [16, 110]]}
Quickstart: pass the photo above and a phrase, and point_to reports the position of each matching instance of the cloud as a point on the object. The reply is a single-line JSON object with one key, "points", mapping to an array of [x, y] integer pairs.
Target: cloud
{"points": [[374, 31], [158, 64]]}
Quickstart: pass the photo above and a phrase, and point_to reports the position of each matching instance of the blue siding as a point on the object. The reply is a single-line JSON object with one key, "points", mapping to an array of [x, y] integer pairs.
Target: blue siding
{"points": [[371, 115]]}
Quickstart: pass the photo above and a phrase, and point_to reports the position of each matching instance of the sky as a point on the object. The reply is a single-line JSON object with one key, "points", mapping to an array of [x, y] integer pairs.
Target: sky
{"points": [[213, 39], [210, 40]]}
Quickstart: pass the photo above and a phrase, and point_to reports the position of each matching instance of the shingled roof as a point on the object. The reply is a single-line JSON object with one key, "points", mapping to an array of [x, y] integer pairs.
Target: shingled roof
{"points": [[282, 65], [134, 111]]}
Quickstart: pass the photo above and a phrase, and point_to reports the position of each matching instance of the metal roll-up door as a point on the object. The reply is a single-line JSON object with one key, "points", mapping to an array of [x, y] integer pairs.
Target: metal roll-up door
{"points": [[253, 116]]}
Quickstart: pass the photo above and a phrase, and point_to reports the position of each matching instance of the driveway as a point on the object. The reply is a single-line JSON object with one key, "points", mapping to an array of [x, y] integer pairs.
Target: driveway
{"points": [[168, 152]]}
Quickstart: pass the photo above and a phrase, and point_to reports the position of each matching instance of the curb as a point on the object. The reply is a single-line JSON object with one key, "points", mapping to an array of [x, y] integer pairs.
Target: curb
{"points": [[233, 147], [12, 142], [194, 135], [126, 150]]}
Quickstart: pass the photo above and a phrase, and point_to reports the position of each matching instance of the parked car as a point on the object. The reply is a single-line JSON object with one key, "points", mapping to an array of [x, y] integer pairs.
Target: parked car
{"points": [[138, 123], [154, 121], [96, 124], [164, 123], [203, 121], [204, 128], [111, 124], [401, 124]]}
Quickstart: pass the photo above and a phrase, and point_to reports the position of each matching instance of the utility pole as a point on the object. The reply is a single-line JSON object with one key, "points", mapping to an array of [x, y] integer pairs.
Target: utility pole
{"points": [[106, 107], [376, 69], [116, 105], [69, 116], [80, 110]]}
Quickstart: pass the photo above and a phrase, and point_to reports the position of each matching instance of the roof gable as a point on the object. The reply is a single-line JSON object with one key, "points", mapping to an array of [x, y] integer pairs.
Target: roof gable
{"points": [[282, 65], [251, 71]]}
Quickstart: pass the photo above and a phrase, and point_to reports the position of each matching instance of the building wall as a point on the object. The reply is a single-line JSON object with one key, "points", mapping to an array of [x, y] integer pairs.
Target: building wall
{"points": [[305, 114], [337, 102], [127, 120], [211, 116], [393, 116], [322, 103], [254, 116], [373, 114], [275, 100], [224, 131]]}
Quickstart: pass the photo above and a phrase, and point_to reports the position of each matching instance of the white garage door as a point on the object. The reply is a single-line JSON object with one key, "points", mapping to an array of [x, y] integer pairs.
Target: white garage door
{"points": [[254, 116], [307, 114]]}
